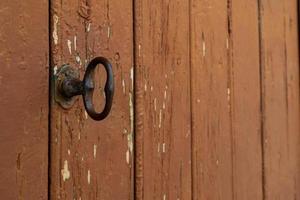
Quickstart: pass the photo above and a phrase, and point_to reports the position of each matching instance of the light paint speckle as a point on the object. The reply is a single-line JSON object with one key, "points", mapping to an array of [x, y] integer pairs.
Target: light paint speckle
{"points": [[164, 147], [55, 34], [124, 86], [55, 70], [155, 103], [227, 43], [69, 152], [131, 112], [65, 171], [140, 47], [89, 177], [203, 48], [88, 27], [164, 197], [75, 42], [165, 94], [127, 156], [69, 46], [145, 87], [160, 118], [108, 32], [151, 88], [95, 150]]}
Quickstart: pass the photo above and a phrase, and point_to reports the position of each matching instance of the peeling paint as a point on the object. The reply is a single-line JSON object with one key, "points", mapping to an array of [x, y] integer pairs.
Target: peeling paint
{"points": [[85, 114], [54, 34], [65, 171], [88, 27], [75, 43], [203, 48], [160, 118], [78, 60], [69, 46], [95, 150], [89, 177], [55, 70], [227, 43], [140, 47], [130, 135], [127, 156], [108, 32], [164, 147], [124, 86]]}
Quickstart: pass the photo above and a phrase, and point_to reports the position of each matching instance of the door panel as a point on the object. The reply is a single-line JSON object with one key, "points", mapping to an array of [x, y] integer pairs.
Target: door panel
{"points": [[163, 128], [280, 97], [227, 157], [93, 159], [24, 51]]}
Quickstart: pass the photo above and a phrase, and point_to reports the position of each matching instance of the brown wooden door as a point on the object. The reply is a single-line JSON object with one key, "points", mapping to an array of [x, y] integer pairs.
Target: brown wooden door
{"points": [[206, 101]]}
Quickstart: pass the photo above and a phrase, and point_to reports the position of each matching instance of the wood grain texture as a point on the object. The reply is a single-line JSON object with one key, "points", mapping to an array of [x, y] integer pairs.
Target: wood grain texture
{"points": [[280, 83], [227, 159], [211, 62], [163, 139], [89, 159], [24, 55]]}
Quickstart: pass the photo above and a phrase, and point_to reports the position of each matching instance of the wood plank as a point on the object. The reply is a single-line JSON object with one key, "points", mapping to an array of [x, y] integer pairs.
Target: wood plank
{"points": [[93, 160], [163, 138], [226, 100], [211, 101], [280, 79], [24, 87], [245, 94]]}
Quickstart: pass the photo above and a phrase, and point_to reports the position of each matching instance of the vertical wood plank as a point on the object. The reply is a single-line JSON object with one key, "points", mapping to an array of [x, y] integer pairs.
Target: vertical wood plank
{"points": [[245, 94], [163, 138], [211, 101], [226, 100], [91, 159], [24, 56], [280, 79]]}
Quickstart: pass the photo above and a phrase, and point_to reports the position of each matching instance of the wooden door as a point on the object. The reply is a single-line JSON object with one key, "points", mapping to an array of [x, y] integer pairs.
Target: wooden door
{"points": [[24, 109], [93, 160], [206, 102]]}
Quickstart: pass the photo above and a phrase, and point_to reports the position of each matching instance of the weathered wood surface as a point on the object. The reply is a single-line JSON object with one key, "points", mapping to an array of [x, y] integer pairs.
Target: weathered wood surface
{"points": [[90, 159], [163, 129], [241, 101], [24, 51], [226, 100], [280, 98]]}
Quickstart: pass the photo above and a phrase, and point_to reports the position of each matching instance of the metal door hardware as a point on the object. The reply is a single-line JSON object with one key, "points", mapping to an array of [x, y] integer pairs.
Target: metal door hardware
{"points": [[68, 85]]}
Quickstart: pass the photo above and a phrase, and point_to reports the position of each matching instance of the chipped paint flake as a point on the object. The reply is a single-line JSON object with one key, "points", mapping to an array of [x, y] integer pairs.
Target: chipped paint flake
{"points": [[88, 27], [130, 135], [127, 156], [65, 171], [155, 104], [78, 60], [164, 197], [108, 32], [89, 177], [164, 147], [55, 70], [124, 86], [69, 152], [55, 34], [95, 150], [140, 47], [227, 43], [85, 114], [145, 87], [203, 49], [165, 94], [75, 43], [69, 46], [160, 118]]}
